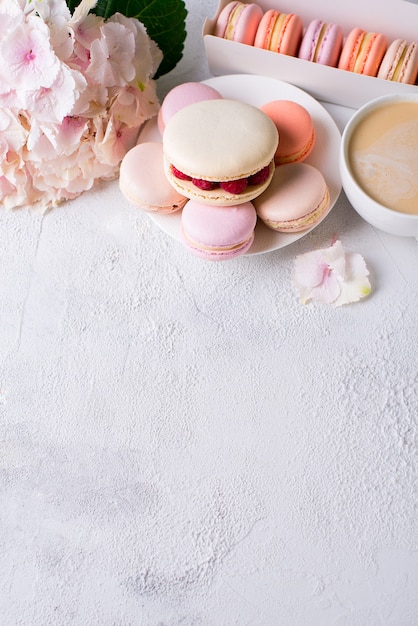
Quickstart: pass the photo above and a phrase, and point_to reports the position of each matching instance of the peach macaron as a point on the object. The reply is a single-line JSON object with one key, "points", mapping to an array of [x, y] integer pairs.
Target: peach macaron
{"points": [[296, 130], [279, 32], [363, 52]]}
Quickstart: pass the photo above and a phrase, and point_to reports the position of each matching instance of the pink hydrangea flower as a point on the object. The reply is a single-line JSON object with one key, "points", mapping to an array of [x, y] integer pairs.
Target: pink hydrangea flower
{"points": [[331, 275], [74, 92]]}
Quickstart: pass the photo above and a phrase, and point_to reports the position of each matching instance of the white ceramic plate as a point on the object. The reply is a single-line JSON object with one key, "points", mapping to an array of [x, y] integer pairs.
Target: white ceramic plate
{"points": [[257, 90]]}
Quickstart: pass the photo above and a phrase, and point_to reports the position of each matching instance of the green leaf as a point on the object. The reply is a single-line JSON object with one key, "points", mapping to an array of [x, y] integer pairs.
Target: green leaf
{"points": [[165, 21], [71, 4]]}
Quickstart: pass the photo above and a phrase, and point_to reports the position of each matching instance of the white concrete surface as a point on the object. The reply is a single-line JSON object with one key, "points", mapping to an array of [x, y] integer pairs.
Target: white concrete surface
{"points": [[183, 443]]}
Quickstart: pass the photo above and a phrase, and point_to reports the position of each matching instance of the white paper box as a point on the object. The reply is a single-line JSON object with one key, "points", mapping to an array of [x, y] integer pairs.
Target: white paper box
{"points": [[394, 18]]}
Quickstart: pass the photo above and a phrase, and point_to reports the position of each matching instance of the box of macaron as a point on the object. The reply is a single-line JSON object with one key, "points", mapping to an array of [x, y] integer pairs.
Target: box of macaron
{"points": [[251, 160], [346, 53]]}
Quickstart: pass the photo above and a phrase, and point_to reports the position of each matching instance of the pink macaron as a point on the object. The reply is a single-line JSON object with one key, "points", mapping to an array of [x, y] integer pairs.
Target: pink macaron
{"points": [[322, 43], [279, 32], [218, 233], [400, 62], [297, 199], [181, 96], [296, 130], [363, 52], [143, 183], [239, 22]]}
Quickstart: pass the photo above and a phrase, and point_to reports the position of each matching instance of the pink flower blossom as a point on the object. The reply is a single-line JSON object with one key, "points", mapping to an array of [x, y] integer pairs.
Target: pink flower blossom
{"points": [[130, 105], [147, 54], [53, 103], [111, 56], [52, 12], [10, 8], [71, 132], [92, 101], [331, 275], [12, 135], [114, 139], [29, 57], [15, 184], [56, 15], [84, 33]]}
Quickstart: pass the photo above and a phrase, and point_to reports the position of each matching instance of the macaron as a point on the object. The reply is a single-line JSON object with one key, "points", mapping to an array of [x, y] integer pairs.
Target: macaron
{"points": [[220, 151], [400, 62], [143, 183], [322, 43], [362, 52], [182, 95], [296, 130], [239, 22], [296, 199], [218, 233], [279, 32]]}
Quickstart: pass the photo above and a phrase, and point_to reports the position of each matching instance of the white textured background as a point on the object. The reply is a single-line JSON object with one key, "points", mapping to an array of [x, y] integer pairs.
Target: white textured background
{"points": [[184, 444]]}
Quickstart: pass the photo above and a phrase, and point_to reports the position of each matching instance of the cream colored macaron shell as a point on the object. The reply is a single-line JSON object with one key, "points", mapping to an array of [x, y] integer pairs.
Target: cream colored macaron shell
{"points": [[219, 141]]}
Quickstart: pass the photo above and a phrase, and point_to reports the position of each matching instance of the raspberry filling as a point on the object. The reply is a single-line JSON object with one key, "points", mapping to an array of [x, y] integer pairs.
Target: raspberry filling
{"points": [[231, 186]]}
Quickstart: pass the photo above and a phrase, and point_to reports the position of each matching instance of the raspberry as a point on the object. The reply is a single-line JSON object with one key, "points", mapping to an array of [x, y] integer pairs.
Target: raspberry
{"points": [[179, 174], [259, 177], [205, 185], [235, 186]]}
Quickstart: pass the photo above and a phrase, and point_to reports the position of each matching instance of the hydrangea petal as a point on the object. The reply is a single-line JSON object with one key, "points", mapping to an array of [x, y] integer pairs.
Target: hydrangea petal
{"points": [[12, 134], [82, 10], [117, 139], [334, 256], [54, 103], [327, 291], [330, 275], [148, 56], [111, 56], [30, 60], [309, 269], [356, 284]]}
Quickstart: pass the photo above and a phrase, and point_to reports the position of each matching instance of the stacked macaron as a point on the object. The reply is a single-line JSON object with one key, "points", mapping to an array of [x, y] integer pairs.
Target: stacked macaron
{"points": [[360, 51], [225, 164], [219, 154], [298, 196]]}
